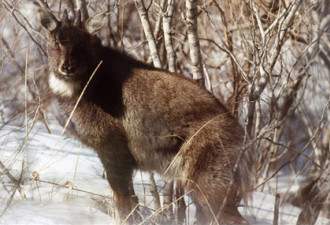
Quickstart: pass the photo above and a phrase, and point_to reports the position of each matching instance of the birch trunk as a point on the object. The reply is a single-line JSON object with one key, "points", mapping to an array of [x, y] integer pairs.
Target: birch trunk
{"points": [[168, 14], [195, 52], [148, 32]]}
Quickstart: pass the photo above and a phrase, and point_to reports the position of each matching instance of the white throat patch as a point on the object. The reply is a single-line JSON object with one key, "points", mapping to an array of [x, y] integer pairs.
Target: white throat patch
{"points": [[62, 87]]}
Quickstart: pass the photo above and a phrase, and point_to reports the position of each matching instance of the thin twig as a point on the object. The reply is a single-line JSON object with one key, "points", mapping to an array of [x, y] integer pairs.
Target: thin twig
{"points": [[11, 9]]}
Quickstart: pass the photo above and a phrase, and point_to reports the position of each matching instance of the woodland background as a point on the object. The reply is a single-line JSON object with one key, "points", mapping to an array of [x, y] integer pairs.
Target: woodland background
{"points": [[267, 61]]}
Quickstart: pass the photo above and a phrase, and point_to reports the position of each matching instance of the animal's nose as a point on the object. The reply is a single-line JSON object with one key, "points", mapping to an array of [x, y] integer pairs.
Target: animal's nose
{"points": [[68, 68]]}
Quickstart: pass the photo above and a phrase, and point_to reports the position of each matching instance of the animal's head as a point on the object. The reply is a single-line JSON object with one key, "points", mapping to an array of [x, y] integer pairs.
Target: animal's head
{"points": [[71, 48]]}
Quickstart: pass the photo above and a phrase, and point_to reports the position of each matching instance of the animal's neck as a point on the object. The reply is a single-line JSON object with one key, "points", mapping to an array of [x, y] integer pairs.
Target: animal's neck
{"points": [[105, 87], [117, 64]]}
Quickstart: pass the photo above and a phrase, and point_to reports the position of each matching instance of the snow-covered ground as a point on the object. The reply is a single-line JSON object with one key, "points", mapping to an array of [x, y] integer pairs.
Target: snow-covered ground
{"points": [[62, 183]]}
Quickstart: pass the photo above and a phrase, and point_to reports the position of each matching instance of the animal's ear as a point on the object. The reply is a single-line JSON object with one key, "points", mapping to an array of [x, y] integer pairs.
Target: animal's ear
{"points": [[95, 23], [47, 20]]}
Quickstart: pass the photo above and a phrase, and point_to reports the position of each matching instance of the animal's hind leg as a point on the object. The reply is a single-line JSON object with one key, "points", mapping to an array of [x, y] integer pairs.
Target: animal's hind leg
{"points": [[119, 170], [210, 207], [214, 191], [228, 211], [214, 186]]}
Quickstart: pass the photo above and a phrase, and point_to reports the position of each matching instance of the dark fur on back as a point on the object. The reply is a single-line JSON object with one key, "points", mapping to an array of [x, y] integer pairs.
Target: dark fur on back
{"points": [[138, 117]]}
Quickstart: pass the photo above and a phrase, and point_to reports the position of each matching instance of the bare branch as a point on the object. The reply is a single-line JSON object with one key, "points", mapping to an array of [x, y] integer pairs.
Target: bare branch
{"points": [[42, 4], [167, 200], [159, 18], [266, 68], [194, 47], [257, 16], [154, 191], [168, 14], [180, 213], [12, 10], [148, 32], [276, 209]]}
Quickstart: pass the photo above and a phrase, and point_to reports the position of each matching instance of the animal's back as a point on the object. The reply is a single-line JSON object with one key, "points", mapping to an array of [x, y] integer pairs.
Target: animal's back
{"points": [[164, 110]]}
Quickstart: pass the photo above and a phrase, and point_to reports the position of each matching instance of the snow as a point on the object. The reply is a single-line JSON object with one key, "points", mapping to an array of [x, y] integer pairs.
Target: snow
{"points": [[69, 187], [67, 212]]}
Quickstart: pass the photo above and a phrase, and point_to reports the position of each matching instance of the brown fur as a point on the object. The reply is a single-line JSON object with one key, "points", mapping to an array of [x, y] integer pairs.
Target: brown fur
{"points": [[138, 117]]}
